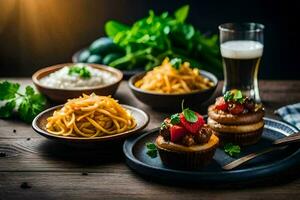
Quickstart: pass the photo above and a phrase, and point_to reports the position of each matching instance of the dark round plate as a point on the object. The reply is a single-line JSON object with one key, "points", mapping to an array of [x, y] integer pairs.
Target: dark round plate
{"points": [[260, 167], [126, 73], [40, 121]]}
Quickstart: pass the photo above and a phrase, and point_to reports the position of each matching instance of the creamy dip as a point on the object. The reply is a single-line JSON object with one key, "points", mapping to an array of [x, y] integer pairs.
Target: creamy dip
{"points": [[63, 79]]}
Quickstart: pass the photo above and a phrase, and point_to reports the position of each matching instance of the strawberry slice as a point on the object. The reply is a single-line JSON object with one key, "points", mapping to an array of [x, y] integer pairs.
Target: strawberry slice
{"points": [[221, 104], [177, 132], [192, 127], [236, 109]]}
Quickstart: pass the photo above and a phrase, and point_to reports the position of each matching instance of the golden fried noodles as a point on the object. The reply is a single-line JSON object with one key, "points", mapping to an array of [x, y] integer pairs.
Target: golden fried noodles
{"points": [[167, 79], [90, 116]]}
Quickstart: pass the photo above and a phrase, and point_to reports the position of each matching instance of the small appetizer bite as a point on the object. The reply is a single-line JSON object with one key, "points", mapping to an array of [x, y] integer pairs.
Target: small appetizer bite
{"points": [[185, 141], [236, 118]]}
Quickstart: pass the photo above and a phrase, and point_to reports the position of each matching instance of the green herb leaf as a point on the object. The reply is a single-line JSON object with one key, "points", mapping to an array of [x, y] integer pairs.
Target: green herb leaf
{"points": [[8, 90], [176, 63], [31, 105], [182, 13], [234, 95], [228, 96], [152, 153], [7, 110], [238, 96], [29, 91], [151, 149], [232, 150], [163, 125], [150, 145], [190, 115], [112, 28], [175, 119], [163, 36], [82, 71]]}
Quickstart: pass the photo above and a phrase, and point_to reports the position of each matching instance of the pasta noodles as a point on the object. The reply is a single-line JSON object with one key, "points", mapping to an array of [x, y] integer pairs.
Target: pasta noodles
{"points": [[167, 79], [90, 116]]}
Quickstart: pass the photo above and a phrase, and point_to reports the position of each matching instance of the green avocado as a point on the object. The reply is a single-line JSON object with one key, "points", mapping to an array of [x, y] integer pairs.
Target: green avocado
{"points": [[84, 55], [94, 59], [111, 57], [103, 46]]}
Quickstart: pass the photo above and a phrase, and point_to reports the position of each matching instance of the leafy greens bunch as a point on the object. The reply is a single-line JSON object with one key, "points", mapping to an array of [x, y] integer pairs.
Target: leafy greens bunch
{"points": [[149, 40], [26, 105]]}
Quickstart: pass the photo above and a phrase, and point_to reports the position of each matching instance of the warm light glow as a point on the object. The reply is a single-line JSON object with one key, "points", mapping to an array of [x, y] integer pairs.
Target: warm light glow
{"points": [[47, 26]]}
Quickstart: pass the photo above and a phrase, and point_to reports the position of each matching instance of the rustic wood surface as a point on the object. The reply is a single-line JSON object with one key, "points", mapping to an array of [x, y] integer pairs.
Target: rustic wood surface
{"points": [[37, 168]]}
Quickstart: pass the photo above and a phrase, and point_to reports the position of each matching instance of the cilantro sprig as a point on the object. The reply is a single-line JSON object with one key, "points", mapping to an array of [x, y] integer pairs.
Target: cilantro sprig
{"points": [[234, 95], [82, 71], [27, 105], [151, 149], [232, 150], [188, 114]]}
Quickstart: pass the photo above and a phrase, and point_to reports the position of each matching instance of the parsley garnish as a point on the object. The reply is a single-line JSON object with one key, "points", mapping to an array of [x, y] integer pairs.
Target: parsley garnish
{"points": [[175, 119], [151, 149], [176, 62], [232, 150], [234, 95], [163, 125], [27, 105], [82, 71], [188, 114]]}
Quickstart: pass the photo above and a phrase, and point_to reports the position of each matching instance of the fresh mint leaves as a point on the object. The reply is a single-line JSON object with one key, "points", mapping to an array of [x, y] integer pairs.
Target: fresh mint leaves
{"points": [[27, 105], [151, 149], [232, 150]]}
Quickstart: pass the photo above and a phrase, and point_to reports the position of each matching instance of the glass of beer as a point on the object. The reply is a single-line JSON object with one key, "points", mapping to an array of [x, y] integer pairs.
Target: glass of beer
{"points": [[241, 50]]}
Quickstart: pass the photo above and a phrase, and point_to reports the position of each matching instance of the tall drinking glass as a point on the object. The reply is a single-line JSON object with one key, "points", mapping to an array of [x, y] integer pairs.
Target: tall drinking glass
{"points": [[241, 50]]}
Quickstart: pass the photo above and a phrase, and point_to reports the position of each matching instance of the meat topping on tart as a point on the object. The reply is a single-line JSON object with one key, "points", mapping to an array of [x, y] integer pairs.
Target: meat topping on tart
{"points": [[187, 128], [234, 102]]}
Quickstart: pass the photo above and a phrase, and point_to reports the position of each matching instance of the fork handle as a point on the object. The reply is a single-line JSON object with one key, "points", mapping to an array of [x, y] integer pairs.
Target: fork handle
{"points": [[294, 138], [251, 156]]}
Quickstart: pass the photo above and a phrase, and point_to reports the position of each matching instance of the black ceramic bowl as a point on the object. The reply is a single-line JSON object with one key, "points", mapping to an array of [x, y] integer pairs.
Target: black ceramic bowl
{"points": [[172, 101]]}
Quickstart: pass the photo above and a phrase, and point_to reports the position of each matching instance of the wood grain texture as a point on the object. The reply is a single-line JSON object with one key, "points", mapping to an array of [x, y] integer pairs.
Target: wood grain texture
{"points": [[54, 171]]}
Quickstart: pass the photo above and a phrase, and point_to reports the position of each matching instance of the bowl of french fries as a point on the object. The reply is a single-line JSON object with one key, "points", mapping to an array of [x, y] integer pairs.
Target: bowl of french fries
{"points": [[166, 85]]}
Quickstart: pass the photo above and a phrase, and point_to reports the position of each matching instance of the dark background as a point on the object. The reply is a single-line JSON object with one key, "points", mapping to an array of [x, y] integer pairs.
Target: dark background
{"points": [[35, 34]]}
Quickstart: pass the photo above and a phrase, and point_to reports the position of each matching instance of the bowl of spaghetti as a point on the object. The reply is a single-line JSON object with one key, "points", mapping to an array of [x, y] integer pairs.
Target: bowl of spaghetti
{"points": [[90, 118], [168, 84]]}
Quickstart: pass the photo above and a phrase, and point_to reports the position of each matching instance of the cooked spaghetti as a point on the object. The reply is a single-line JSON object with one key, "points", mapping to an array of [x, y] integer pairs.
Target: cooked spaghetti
{"points": [[90, 116], [167, 79]]}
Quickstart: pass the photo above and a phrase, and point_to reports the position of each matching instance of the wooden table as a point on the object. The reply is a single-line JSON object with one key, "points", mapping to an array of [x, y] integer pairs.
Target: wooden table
{"points": [[54, 171]]}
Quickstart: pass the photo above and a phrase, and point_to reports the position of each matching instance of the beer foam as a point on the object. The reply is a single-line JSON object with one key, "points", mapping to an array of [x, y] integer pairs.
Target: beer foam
{"points": [[242, 49]]}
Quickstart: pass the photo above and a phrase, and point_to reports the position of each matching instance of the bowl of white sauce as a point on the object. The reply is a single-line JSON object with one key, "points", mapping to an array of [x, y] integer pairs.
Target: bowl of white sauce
{"points": [[69, 80]]}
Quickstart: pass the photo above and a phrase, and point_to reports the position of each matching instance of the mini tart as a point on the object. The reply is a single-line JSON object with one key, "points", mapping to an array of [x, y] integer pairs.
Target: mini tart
{"points": [[245, 134], [228, 118], [180, 156]]}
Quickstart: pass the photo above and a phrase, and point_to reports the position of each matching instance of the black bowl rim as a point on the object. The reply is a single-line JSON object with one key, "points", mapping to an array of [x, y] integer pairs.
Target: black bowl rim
{"points": [[206, 74]]}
